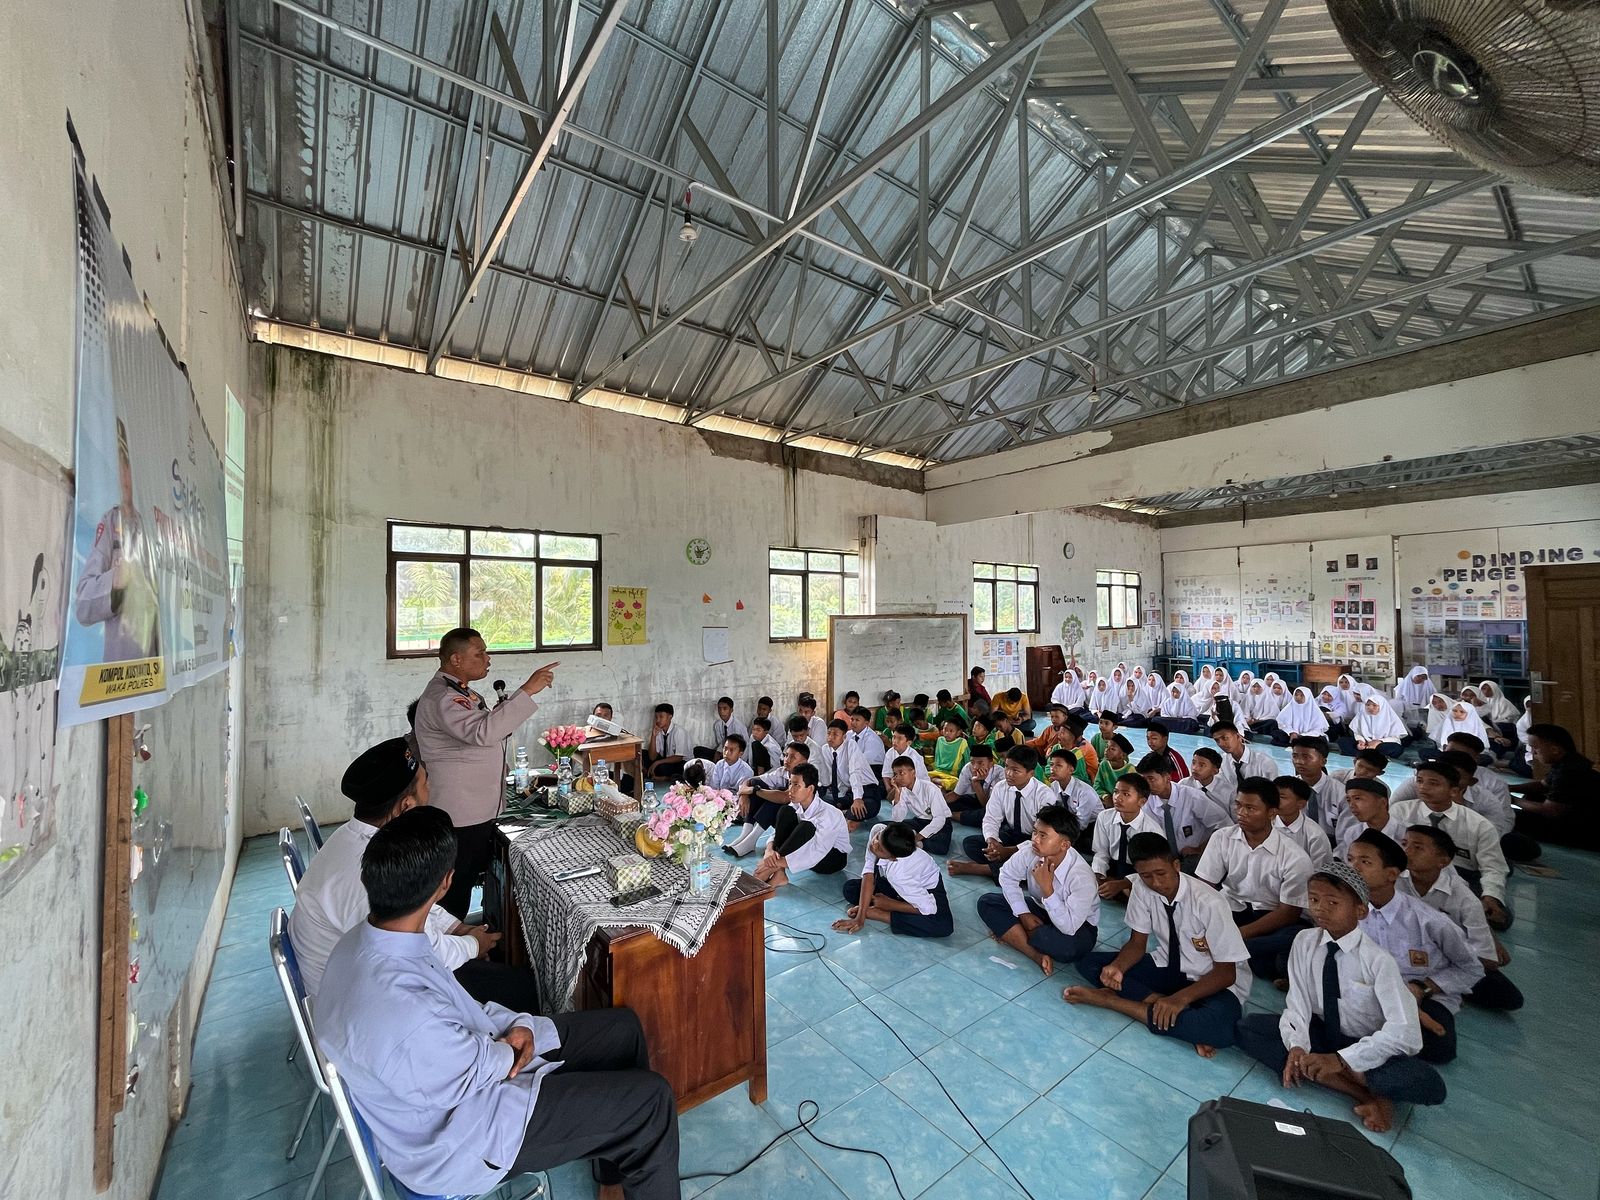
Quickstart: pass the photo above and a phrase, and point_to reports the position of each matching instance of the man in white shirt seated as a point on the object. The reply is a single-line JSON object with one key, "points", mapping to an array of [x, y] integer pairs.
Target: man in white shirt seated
{"points": [[900, 885], [1007, 818], [1480, 862], [1350, 1022], [459, 1095], [808, 834], [1047, 908], [384, 782]]}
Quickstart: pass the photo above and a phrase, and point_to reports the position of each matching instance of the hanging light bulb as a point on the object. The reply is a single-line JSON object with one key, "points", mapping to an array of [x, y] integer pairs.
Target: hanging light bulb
{"points": [[688, 233]]}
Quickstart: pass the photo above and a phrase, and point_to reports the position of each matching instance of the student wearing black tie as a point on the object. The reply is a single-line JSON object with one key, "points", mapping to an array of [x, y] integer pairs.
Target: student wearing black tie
{"points": [[900, 885], [664, 752], [1194, 984], [1046, 908], [1350, 1023], [1114, 833], [1007, 818], [725, 724], [1081, 800]]}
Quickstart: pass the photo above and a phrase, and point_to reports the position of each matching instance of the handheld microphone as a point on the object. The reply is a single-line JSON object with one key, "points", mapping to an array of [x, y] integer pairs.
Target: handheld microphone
{"points": [[500, 691]]}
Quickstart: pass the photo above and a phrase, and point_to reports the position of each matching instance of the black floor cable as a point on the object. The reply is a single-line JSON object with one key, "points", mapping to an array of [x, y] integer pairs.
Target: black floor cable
{"points": [[814, 943]]}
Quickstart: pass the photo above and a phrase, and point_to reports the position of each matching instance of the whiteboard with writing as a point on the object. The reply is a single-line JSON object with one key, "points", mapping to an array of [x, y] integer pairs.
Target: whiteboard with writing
{"points": [[910, 653]]}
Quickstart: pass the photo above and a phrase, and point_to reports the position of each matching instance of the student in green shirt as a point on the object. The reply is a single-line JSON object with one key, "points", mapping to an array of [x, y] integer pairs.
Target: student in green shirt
{"points": [[982, 731], [889, 715], [1114, 765], [950, 753], [946, 707], [1108, 726]]}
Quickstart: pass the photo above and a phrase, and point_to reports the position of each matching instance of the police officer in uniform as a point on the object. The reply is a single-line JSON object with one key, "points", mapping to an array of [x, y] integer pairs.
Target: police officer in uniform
{"points": [[460, 739]]}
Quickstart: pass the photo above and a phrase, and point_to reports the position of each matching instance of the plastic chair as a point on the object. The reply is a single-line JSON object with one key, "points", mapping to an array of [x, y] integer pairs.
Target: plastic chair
{"points": [[364, 1150], [293, 865], [313, 830], [287, 968]]}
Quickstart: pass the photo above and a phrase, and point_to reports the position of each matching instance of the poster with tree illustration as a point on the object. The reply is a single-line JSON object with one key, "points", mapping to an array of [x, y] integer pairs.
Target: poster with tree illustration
{"points": [[626, 609], [1072, 638]]}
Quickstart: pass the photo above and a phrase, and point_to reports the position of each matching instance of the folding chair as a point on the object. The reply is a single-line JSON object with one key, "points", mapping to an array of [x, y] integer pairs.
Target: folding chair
{"points": [[293, 865], [313, 830], [287, 968], [364, 1150]]}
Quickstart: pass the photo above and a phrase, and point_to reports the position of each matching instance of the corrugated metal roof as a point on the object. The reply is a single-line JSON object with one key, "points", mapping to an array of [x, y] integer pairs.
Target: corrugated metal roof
{"points": [[369, 172]]}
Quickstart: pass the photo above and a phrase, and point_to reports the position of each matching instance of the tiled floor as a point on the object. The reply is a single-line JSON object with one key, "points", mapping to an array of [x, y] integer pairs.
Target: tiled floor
{"points": [[1076, 1102]]}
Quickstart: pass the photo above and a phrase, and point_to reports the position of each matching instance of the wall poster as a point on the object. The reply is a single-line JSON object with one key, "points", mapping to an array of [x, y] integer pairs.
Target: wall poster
{"points": [[627, 609]]}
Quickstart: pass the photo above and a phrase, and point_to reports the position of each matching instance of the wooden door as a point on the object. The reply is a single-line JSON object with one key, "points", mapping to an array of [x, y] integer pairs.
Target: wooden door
{"points": [[1564, 645]]}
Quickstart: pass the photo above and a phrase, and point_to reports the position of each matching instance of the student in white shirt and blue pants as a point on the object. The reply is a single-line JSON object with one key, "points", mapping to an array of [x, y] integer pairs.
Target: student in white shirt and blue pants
{"points": [[905, 875], [1048, 906]]}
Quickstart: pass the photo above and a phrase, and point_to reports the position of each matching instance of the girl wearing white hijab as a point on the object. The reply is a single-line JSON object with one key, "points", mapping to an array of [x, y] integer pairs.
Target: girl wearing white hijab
{"points": [[1375, 727], [1227, 694], [1103, 699], [1133, 705], [1256, 713], [1301, 717], [1413, 692], [1519, 760], [1178, 712], [1182, 677], [1205, 700], [1500, 715], [1069, 692], [1438, 711], [1458, 717]]}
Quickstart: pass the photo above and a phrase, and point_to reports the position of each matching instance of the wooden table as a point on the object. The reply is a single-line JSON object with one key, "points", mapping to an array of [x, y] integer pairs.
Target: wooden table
{"points": [[705, 1017], [624, 748]]}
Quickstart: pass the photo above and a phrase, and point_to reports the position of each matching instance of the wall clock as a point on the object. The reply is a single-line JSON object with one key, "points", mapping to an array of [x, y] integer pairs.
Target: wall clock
{"points": [[1068, 549], [698, 551]]}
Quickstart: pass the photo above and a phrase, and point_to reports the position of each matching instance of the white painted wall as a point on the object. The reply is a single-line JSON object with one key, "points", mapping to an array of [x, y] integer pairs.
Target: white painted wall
{"points": [[124, 72], [1549, 399]]}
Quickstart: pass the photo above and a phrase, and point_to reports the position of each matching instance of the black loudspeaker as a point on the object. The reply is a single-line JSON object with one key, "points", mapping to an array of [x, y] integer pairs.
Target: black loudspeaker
{"points": [[1244, 1151]]}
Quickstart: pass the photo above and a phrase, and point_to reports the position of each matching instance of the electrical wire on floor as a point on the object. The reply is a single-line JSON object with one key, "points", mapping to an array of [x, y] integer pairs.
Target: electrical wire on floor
{"points": [[815, 943]]}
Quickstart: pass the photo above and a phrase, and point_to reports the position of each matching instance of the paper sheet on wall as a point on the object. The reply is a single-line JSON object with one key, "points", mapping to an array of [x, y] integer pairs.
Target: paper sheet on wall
{"points": [[714, 644], [627, 612]]}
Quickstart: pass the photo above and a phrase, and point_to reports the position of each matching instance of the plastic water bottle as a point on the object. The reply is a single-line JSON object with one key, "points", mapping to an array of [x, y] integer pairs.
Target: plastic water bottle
{"points": [[519, 773], [649, 799], [563, 777]]}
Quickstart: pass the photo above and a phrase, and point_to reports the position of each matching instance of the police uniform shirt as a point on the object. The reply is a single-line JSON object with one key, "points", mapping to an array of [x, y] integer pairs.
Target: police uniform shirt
{"points": [[1477, 843], [728, 776], [1375, 1006], [1003, 807], [1206, 932], [1256, 877], [460, 739], [1352, 829], [832, 834], [1310, 837], [914, 878], [1074, 900], [1081, 799], [1451, 896], [129, 615], [1108, 837], [922, 801], [1193, 817], [1425, 944], [963, 786]]}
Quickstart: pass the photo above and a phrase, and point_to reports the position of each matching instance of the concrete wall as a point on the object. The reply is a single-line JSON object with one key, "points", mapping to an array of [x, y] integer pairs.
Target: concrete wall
{"points": [[1549, 399], [125, 73]]}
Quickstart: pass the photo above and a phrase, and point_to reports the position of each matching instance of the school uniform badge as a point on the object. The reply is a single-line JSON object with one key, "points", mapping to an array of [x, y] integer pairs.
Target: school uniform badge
{"points": [[1419, 958], [1201, 945]]}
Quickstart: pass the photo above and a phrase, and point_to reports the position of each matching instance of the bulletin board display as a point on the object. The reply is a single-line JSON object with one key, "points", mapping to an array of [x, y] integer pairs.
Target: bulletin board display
{"points": [[1352, 597]]}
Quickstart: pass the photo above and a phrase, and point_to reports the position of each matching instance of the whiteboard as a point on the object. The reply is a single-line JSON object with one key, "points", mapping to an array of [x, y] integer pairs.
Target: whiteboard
{"points": [[910, 653]]}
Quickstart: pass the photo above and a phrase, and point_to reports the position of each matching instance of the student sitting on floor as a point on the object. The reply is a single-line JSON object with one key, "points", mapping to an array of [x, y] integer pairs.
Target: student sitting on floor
{"points": [[1046, 908], [664, 752], [1088, 759], [1432, 879], [1262, 875], [857, 788], [1205, 770], [1081, 800], [1294, 794], [977, 697], [724, 724], [1006, 734], [1375, 726], [902, 743], [945, 707], [1257, 713], [1054, 734], [1178, 713], [900, 885], [764, 713], [805, 705], [1156, 736], [1114, 764], [1562, 807], [950, 752], [920, 805], [1368, 803], [889, 714], [1309, 755], [1430, 949], [831, 757], [1114, 832], [927, 735], [1186, 818], [1105, 730], [970, 796], [730, 770], [1480, 862], [1007, 818], [762, 797], [1240, 760], [808, 834], [1301, 718], [851, 699], [1195, 993], [1350, 1023], [1365, 764], [765, 753], [1486, 794], [1014, 703], [1069, 692], [1413, 691], [800, 734]]}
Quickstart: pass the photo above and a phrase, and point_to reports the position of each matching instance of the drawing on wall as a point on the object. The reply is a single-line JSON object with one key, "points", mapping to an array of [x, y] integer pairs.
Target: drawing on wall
{"points": [[32, 562], [626, 611], [1072, 637]]}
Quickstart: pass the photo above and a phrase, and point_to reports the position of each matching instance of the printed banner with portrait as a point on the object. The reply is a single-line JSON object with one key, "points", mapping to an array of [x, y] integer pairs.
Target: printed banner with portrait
{"points": [[147, 607]]}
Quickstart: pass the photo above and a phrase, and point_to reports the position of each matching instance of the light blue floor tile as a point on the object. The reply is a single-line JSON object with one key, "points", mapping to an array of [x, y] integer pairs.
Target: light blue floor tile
{"points": [[236, 1092], [805, 1067], [1436, 1173], [1167, 1188], [918, 1153], [1025, 1046], [1097, 1026], [971, 1180], [867, 1041], [880, 958], [944, 999], [247, 991], [1010, 976], [1176, 1064], [1056, 1155], [784, 1174], [912, 1029], [721, 1134], [1138, 1112], [985, 1097], [811, 990], [249, 1154]]}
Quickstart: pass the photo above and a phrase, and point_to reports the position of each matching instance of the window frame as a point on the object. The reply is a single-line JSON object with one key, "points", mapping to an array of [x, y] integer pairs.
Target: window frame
{"points": [[1101, 583], [989, 581], [464, 561], [804, 574]]}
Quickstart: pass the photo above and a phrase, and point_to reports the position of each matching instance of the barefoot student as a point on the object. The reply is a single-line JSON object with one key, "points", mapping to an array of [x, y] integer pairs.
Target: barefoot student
{"points": [[808, 834], [1350, 1023], [1195, 993], [900, 885], [1047, 908]]}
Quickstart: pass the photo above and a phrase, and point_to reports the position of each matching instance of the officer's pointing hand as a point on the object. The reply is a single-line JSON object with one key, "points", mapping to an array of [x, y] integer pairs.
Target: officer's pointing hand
{"points": [[541, 679]]}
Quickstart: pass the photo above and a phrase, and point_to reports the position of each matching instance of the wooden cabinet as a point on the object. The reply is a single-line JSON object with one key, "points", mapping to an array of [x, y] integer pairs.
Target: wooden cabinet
{"points": [[1044, 667]]}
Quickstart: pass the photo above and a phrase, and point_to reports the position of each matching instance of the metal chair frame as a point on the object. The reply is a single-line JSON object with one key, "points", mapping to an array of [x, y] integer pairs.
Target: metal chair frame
{"points": [[287, 967]]}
